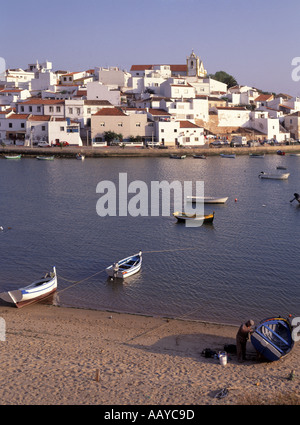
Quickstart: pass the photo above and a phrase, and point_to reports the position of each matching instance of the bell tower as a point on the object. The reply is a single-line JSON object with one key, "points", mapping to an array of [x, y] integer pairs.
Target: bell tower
{"points": [[195, 66]]}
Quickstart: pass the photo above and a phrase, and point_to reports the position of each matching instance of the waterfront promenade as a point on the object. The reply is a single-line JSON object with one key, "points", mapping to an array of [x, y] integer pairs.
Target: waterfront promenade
{"points": [[112, 151]]}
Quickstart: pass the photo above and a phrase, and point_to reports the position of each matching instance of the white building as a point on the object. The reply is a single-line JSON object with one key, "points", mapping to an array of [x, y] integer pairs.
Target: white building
{"points": [[98, 91], [112, 76], [178, 133]]}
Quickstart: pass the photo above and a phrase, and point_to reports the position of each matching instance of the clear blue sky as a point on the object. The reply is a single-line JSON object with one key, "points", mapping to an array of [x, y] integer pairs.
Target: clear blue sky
{"points": [[254, 40]]}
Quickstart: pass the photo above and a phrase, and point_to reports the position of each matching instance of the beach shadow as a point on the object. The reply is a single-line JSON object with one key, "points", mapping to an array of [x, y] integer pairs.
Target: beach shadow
{"points": [[194, 346]]}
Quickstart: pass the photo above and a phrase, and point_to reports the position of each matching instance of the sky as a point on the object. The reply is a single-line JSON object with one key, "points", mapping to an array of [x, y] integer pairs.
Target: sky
{"points": [[256, 41]]}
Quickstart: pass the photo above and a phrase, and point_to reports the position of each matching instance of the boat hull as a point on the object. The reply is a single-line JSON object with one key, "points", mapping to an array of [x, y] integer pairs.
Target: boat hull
{"points": [[13, 157], [284, 176], [223, 155], [272, 338], [207, 199], [38, 290], [124, 271], [45, 158], [182, 217]]}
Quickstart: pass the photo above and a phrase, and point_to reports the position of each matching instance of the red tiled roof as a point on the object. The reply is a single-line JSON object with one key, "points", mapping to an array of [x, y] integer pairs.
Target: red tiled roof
{"points": [[110, 111], [40, 118], [19, 116], [158, 112], [188, 124], [263, 97], [174, 68], [35, 101]]}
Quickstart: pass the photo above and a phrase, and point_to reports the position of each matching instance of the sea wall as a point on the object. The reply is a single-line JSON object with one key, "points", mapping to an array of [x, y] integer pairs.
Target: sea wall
{"points": [[70, 152]]}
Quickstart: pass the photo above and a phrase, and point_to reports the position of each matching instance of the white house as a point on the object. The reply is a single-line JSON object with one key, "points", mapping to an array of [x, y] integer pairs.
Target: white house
{"points": [[38, 106], [112, 76], [12, 127], [98, 91], [189, 109], [176, 88], [43, 81], [232, 117], [175, 133], [261, 121], [10, 96], [53, 130]]}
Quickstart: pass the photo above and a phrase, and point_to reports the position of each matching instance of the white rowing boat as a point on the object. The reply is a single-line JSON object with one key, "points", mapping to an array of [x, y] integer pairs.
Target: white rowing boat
{"points": [[126, 267], [206, 199], [181, 216], [283, 176], [37, 290]]}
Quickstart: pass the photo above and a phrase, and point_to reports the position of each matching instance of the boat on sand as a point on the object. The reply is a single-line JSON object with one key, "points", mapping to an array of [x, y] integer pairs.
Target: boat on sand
{"points": [[272, 338]]}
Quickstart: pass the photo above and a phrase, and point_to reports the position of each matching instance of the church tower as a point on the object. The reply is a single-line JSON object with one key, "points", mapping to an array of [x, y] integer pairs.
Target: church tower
{"points": [[195, 66]]}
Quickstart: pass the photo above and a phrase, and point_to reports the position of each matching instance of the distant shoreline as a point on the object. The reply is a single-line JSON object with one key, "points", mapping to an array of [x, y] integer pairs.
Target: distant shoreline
{"points": [[106, 152]]}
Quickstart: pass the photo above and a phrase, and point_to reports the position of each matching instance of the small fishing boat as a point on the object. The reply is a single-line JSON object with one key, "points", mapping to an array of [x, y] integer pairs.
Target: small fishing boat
{"points": [[177, 156], [256, 155], [126, 267], [227, 155], [206, 199], [199, 156], [283, 176], [294, 154], [280, 167], [182, 217], [272, 338], [34, 292], [13, 156], [280, 153], [45, 158], [80, 157]]}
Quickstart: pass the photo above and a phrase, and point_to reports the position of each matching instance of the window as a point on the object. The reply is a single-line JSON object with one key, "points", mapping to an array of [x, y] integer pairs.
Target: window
{"points": [[89, 110], [22, 125], [43, 128], [70, 110], [70, 78], [30, 108], [175, 130], [78, 111], [120, 124], [51, 109], [10, 125], [22, 108], [62, 128], [162, 130], [58, 109], [138, 124], [38, 109], [102, 124]]}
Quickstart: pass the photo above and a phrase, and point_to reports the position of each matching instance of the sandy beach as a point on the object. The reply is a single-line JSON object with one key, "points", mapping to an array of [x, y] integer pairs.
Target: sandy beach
{"points": [[54, 356]]}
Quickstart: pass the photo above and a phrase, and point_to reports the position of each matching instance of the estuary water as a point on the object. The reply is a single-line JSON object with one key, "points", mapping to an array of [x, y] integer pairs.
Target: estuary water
{"points": [[244, 265]]}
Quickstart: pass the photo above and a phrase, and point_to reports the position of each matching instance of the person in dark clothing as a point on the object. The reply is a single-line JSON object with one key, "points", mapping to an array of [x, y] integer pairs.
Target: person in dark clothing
{"points": [[242, 337]]}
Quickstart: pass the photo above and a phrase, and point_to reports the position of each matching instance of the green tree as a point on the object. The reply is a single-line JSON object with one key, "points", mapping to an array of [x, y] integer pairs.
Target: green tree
{"points": [[223, 77]]}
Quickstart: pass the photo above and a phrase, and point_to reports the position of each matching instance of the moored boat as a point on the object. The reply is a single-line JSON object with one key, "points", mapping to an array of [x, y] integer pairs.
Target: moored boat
{"points": [[36, 291], [12, 156], [256, 155], [199, 156], [272, 338], [80, 156], [280, 167], [280, 153], [294, 154], [227, 155], [182, 217], [283, 176], [206, 199], [45, 158], [173, 156], [126, 267]]}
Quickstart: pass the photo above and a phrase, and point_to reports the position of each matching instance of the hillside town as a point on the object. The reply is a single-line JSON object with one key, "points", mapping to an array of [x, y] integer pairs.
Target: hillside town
{"points": [[151, 105]]}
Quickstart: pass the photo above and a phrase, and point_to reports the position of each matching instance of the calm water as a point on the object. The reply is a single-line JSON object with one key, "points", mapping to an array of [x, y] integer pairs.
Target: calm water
{"points": [[244, 265]]}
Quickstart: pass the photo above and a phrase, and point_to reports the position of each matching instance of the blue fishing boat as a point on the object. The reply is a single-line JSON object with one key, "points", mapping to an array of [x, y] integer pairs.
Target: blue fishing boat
{"points": [[126, 267], [272, 338]]}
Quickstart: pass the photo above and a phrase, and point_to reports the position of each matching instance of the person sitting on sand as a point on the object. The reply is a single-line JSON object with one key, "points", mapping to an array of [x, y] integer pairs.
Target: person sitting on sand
{"points": [[241, 339]]}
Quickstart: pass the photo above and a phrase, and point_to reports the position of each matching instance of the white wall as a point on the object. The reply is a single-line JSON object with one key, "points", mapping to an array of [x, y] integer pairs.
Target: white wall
{"points": [[98, 91]]}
